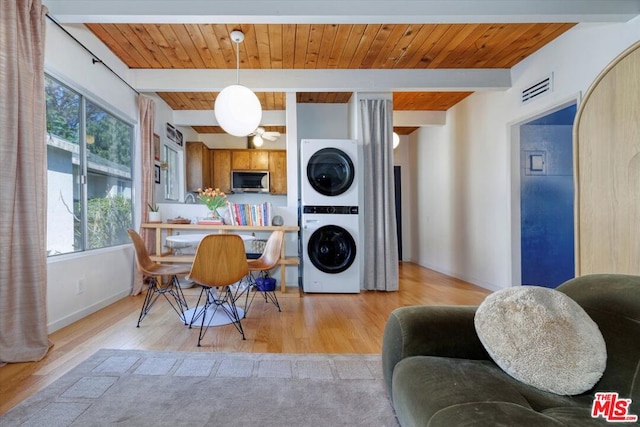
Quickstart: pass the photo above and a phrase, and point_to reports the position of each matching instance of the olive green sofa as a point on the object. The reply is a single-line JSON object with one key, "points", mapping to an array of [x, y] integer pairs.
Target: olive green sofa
{"points": [[438, 373]]}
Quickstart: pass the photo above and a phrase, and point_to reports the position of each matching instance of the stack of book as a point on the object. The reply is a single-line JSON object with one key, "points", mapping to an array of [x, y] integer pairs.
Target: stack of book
{"points": [[250, 214]]}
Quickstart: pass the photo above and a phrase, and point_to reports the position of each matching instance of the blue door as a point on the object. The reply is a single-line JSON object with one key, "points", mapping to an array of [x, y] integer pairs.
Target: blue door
{"points": [[546, 199]]}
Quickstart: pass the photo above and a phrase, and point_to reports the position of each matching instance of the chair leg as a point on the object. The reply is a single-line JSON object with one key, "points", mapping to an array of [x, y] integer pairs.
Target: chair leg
{"points": [[196, 313], [228, 304], [251, 287], [149, 299], [226, 301], [179, 303], [175, 290], [271, 295]]}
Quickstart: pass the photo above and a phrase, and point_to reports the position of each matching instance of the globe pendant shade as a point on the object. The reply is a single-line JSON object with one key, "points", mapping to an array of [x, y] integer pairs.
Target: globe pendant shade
{"points": [[396, 140], [237, 110]]}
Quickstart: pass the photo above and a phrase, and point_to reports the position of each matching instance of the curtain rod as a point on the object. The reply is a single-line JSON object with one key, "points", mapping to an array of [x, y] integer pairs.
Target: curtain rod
{"points": [[94, 58]]}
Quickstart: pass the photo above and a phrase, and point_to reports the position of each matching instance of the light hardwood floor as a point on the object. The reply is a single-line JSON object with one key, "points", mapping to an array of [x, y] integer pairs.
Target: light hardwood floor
{"points": [[309, 323]]}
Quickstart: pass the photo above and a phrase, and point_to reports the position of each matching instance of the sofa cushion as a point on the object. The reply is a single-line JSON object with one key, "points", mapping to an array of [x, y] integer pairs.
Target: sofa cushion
{"points": [[483, 414], [424, 385], [543, 338]]}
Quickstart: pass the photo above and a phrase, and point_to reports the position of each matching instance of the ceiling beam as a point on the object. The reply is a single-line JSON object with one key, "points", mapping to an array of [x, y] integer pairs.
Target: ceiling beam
{"points": [[419, 118], [207, 118], [341, 11], [278, 118], [295, 80]]}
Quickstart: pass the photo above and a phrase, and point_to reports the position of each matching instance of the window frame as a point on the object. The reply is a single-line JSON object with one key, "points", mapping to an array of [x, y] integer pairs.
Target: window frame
{"points": [[83, 167]]}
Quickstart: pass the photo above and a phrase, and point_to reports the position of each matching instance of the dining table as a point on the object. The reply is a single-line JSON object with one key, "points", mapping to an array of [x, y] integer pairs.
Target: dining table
{"points": [[171, 237], [195, 238]]}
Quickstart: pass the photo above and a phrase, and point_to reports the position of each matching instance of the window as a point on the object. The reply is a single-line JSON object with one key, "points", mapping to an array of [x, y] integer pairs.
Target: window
{"points": [[89, 173], [172, 179]]}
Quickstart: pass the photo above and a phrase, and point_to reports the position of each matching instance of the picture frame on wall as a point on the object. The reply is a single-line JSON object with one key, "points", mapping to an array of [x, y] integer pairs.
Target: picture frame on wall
{"points": [[157, 174], [174, 134], [156, 146], [171, 132]]}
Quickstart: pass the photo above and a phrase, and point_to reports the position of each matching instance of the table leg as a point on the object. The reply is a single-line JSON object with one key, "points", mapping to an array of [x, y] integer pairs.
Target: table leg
{"points": [[283, 268]]}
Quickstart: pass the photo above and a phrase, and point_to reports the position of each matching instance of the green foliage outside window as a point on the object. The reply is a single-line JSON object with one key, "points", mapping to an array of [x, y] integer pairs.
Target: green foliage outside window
{"points": [[63, 111], [108, 137], [108, 219]]}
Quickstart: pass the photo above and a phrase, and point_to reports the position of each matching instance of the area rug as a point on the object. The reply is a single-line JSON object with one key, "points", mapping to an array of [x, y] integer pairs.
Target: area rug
{"points": [[144, 388]]}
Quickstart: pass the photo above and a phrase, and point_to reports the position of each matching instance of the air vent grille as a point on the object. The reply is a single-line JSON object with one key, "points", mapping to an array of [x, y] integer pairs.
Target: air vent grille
{"points": [[538, 89]]}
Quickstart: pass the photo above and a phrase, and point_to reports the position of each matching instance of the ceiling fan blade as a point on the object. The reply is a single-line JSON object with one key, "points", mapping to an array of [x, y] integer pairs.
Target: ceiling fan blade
{"points": [[271, 136]]}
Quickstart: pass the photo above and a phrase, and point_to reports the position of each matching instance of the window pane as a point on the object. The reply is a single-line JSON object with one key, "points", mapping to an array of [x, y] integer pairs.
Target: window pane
{"points": [[172, 174], [108, 178], [63, 159], [63, 111]]}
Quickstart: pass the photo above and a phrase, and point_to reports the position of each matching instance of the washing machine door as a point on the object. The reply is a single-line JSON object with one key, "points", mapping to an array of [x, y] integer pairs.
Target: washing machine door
{"points": [[331, 249], [330, 171]]}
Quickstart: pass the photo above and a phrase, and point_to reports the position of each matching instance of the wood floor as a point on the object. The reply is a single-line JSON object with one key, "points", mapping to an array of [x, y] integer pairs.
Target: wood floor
{"points": [[309, 323]]}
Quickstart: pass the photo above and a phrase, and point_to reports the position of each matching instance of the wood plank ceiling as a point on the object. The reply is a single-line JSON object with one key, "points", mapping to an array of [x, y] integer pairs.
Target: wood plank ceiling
{"points": [[325, 46]]}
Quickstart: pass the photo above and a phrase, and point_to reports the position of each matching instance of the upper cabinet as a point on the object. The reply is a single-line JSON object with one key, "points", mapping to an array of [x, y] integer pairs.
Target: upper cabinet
{"points": [[278, 172], [223, 161], [221, 169], [249, 160], [198, 166]]}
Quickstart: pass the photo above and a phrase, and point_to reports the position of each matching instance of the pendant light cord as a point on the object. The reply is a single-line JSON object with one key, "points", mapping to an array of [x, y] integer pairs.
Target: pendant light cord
{"points": [[237, 63]]}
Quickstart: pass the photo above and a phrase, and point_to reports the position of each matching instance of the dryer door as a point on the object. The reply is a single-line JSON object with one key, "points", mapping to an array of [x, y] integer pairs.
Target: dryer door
{"points": [[330, 171], [331, 249]]}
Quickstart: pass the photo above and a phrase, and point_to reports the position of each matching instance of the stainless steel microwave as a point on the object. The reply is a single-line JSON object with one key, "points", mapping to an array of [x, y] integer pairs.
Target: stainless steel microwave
{"points": [[248, 181]]}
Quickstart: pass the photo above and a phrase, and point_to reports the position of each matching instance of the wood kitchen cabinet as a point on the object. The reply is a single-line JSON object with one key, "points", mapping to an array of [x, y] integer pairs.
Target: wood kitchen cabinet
{"points": [[277, 172], [250, 160], [223, 161], [198, 166], [221, 169]]}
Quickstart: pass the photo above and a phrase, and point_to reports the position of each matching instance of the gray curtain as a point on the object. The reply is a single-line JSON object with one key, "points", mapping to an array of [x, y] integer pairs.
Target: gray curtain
{"points": [[23, 183], [147, 115], [380, 239]]}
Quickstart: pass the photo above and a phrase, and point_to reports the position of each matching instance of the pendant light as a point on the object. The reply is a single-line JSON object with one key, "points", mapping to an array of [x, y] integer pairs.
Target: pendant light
{"points": [[237, 108], [396, 140]]}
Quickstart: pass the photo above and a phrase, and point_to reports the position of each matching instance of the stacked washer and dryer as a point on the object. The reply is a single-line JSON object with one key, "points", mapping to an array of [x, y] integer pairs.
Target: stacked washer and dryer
{"points": [[330, 216]]}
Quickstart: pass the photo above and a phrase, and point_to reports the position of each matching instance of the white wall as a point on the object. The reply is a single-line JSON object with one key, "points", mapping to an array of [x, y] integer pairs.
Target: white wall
{"points": [[462, 170], [79, 284], [323, 121], [402, 158]]}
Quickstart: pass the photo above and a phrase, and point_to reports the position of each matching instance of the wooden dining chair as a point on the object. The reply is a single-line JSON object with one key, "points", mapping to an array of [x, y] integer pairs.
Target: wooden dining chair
{"points": [[151, 272], [220, 262], [259, 268]]}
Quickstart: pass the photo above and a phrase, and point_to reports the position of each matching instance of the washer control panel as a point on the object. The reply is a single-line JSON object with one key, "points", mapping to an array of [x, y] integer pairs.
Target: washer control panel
{"points": [[340, 210]]}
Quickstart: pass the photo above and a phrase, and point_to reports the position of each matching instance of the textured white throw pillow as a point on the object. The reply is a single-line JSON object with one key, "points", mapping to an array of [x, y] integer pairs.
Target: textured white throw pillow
{"points": [[543, 338]]}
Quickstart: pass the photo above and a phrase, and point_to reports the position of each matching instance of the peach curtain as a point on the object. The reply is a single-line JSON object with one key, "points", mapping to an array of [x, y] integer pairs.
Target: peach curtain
{"points": [[380, 239], [147, 113], [23, 183]]}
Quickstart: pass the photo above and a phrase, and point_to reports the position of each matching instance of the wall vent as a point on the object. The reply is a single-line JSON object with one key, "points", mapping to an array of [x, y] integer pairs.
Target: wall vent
{"points": [[538, 89]]}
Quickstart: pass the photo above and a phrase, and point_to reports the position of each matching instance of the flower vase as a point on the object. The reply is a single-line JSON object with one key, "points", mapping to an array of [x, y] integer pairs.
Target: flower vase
{"points": [[212, 215]]}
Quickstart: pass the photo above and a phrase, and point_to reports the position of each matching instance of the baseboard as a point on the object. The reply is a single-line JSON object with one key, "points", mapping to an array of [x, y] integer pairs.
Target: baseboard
{"points": [[486, 285], [74, 317]]}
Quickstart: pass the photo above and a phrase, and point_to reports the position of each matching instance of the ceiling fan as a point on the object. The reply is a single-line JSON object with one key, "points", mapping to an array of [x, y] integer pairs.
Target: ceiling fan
{"points": [[260, 134]]}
